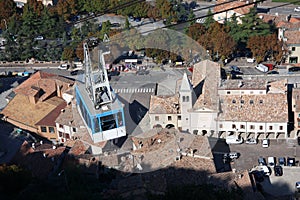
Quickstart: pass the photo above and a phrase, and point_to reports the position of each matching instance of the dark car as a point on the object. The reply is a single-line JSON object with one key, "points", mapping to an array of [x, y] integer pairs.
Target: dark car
{"points": [[261, 161], [278, 170], [234, 68], [76, 72], [281, 161], [258, 175], [291, 161], [273, 72], [294, 69]]}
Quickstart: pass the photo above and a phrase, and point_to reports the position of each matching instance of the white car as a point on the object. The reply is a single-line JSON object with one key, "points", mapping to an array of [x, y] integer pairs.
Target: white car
{"points": [[297, 9], [250, 60], [63, 66], [234, 140], [39, 38], [265, 143], [271, 161], [251, 141]]}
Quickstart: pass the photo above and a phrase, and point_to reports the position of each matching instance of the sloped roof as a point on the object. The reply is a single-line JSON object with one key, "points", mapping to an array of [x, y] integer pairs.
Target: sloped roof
{"points": [[185, 84], [20, 109], [293, 37], [164, 104], [208, 72], [49, 119], [223, 5], [66, 117]]}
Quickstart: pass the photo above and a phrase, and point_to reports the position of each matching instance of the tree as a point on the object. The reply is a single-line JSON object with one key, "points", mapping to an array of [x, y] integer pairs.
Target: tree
{"points": [[7, 9], [127, 24], [68, 54], [265, 47], [209, 19], [195, 31]]}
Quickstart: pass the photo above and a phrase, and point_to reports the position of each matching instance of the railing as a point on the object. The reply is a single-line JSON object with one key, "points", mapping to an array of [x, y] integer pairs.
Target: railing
{"points": [[30, 63]]}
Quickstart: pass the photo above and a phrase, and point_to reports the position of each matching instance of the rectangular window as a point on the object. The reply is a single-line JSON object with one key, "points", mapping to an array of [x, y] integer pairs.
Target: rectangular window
{"points": [[299, 115], [67, 136], [51, 129], [60, 134], [281, 128], [169, 118], [251, 101], [293, 48], [220, 125], [179, 117], [252, 127], [187, 98], [108, 122], [260, 127], [233, 126], [74, 130], [61, 126], [228, 92], [43, 129], [270, 127], [242, 126], [242, 101], [261, 101], [156, 118], [233, 101]]}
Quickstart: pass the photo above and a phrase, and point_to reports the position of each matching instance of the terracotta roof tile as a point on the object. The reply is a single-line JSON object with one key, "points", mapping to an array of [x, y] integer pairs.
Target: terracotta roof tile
{"points": [[209, 73], [221, 6], [293, 37], [164, 104], [49, 119]]}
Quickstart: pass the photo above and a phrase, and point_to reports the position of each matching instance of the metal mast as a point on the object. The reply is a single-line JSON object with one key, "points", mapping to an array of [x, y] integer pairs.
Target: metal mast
{"points": [[96, 79]]}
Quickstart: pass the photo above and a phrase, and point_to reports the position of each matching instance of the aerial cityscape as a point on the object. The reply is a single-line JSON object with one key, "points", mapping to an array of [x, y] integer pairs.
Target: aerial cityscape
{"points": [[150, 99]]}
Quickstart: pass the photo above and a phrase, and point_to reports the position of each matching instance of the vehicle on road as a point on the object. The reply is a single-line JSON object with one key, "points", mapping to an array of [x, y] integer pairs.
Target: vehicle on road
{"points": [[297, 9], [291, 161], [265, 143], [271, 161], [278, 171], [262, 68], [251, 141], [281, 161], [231, 139], [250, 60], [63, 66]]}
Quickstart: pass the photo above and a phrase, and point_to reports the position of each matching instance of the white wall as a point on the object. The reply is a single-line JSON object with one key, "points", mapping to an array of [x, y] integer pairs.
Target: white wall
{"points": [[241, 92]]}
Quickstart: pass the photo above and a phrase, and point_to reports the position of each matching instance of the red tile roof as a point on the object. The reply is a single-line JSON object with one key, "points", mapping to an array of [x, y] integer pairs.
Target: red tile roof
{"points": [[222, 6], [49, 119]]}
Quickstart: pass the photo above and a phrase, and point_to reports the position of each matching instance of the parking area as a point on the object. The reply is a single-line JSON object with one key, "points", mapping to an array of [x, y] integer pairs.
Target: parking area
{"points": [[282, 185], [273, 185]]}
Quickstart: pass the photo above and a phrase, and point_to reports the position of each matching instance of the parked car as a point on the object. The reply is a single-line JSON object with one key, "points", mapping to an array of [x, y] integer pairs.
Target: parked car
{"points": [[251, 141], [291, 161], [265, 143], [231, 139], [76, 72], [281, 161], [258, 175], [297, 9], [250, 60], [271, 161], [234, 68], [261, 161], [63, 66], [297, 185], [278, 171], [294, 69], [273, 72]]}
